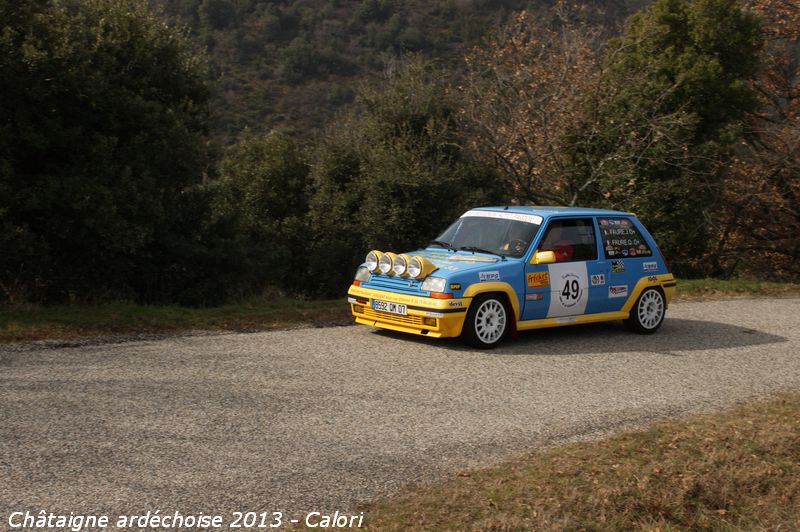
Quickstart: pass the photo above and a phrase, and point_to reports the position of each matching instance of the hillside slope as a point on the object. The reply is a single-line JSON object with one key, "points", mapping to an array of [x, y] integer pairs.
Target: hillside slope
{"points": [[291, 64]]}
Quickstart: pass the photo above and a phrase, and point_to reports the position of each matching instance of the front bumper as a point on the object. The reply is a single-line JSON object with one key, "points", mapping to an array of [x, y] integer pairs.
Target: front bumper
{"points": [[426, 316]]}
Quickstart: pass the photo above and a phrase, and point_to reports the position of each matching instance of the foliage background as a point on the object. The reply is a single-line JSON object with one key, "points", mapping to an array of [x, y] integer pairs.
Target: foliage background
{"points": [[206, 150]]}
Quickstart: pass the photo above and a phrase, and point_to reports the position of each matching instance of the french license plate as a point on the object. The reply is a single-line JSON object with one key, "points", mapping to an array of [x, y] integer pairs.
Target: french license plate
{"points": [[388, 306]]}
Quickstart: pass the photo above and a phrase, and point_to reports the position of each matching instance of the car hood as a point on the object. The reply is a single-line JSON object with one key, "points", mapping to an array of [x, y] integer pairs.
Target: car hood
{"points": [[449, 262]]}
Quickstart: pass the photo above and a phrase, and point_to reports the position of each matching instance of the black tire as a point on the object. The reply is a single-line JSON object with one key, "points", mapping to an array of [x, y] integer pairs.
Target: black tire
{"points": [[488, 321], [647, 313]]}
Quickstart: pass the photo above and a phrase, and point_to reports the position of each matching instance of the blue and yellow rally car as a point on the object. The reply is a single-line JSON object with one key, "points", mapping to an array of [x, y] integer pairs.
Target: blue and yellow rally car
{"points": [[498, 270]]}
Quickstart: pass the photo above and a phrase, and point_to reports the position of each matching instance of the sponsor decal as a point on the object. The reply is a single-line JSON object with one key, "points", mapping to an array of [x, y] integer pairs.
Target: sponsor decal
{"points": [[650, 266], [617, 266], [598, 279], [537, 296], [538, 280], [618, 290], [455, 303], [455, 286], [505, 215], [351, 300], [434, 314], [489, 276], [652, 279], [624, 252], [632, 252], [566, 319]]}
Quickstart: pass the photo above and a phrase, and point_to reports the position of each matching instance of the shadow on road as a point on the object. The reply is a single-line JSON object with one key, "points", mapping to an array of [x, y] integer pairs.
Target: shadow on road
{"points": [[675, 335]]}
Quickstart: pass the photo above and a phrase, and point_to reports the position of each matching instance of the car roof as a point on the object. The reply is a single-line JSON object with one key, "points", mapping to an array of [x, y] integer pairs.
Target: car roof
{"points": [[547, 211]]}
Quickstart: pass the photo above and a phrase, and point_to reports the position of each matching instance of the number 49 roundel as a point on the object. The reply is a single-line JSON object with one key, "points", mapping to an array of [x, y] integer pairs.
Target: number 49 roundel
{"points": [[570, 291]]}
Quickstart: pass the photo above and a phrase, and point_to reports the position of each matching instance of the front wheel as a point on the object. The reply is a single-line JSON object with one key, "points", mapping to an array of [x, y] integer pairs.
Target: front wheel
{"points": [[486, 322], [647, 314]]}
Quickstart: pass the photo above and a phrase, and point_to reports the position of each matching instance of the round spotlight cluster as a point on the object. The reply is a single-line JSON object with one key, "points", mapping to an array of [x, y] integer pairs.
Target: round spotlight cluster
{"points": [[403, 265]]}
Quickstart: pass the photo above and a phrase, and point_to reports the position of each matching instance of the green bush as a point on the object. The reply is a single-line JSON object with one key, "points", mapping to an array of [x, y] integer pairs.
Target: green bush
{"points": [[102, 131], [262, 194]]}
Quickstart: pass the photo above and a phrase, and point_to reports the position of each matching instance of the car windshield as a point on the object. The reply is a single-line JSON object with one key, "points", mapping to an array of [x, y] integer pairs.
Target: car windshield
{"points": [[506, 237]]}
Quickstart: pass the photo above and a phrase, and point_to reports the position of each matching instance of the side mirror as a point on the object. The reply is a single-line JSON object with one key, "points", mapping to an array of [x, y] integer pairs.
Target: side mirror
{"points": [[543, 257]]}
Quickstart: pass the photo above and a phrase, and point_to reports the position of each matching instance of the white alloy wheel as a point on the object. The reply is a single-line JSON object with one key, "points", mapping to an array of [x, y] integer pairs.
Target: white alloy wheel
{"points": [[651, 309], [490, 321], [648, 313]]}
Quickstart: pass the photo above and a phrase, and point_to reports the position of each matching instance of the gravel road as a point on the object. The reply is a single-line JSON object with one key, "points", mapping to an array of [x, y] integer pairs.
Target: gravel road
{"points": [[320, 419]]}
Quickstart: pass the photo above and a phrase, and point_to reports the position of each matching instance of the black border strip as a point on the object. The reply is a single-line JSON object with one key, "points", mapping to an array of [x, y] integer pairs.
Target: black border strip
{"points": [[442, 310]]}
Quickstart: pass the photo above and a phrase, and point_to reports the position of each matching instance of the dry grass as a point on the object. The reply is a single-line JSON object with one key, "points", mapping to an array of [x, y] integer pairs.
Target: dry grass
{"points": [[738, 470], [709, 289], [28, 323]]}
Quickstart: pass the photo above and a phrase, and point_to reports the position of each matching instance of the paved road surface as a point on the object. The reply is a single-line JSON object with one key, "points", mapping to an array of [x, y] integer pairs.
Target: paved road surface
{"points": [[323, 418]]}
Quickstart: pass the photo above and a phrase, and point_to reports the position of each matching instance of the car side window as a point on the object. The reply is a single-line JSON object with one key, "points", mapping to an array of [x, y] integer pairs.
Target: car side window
{"points": [[621, 238], [570, 240]]}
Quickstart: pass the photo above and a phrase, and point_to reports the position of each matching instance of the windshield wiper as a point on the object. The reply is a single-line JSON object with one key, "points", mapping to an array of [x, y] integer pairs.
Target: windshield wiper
{"points": [[481, 250], [441, 244]]}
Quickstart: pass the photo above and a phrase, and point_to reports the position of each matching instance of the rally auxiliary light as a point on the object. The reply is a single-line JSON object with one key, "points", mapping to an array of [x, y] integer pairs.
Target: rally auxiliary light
{"points": [[385, 263], [372, 260], [419, 267], [400, 265]]}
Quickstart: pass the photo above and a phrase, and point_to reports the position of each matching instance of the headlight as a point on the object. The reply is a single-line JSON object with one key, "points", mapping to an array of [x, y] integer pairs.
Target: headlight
{"points": [[362, 274], [373, 257], [385, 263], [433, 284], [400, 264], [419, 267]]}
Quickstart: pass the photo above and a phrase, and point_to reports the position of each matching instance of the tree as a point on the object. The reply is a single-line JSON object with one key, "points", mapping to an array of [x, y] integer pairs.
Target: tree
{"points": [[391, 175], [262, 192], [697, 58], [102, 129], [760, 218], [639, 124], [525, 95]]}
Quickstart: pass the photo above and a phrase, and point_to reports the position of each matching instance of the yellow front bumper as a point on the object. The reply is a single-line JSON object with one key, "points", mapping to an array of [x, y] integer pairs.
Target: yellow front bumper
{"points": [[426, 316]]}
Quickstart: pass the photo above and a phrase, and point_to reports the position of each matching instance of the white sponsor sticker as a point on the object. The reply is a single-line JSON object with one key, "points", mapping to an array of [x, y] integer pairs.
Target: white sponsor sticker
{"points": [[617, 290], [434, 314], [489, 276], [650, 266], [566, 319], [569, 283], [598, 279], [505, 215]]}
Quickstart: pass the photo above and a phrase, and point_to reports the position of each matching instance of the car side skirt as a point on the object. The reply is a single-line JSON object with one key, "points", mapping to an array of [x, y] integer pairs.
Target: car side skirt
{"points": [[570, 320]]}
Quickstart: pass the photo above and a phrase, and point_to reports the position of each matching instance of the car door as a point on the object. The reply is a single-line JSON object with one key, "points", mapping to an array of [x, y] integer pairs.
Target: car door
{"points": [[628, 257], [564, 288]]}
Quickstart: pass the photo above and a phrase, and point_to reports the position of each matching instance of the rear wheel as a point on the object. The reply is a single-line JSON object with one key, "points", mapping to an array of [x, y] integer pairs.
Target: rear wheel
{"points": [[647, 314], [486, 322]]}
